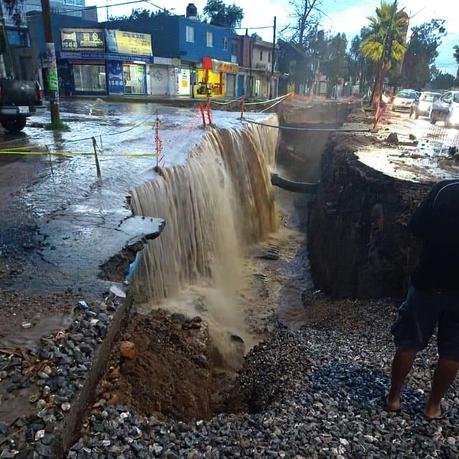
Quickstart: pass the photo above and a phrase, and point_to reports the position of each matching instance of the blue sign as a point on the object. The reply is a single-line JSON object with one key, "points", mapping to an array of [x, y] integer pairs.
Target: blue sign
{"points": [[115, 77]]}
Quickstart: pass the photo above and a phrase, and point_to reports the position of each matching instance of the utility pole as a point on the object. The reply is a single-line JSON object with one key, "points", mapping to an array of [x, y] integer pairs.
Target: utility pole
{"points": [[273, 60], [52, 79]]}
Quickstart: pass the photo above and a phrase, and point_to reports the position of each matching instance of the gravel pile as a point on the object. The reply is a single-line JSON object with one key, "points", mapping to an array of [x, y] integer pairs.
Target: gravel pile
{"points": [[37, 387], [315, 392]]}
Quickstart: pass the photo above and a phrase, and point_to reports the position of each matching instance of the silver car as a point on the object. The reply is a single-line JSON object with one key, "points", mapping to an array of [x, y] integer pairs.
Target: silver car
{"points": [[446, 109]]}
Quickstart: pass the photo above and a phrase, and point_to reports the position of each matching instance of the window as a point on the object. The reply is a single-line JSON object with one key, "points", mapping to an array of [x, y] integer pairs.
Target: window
{"points": [[447, 97], [261, 55], [269, 57], [225, 43], [18, 38], [210, 39], [89, 78], [189, 34]]}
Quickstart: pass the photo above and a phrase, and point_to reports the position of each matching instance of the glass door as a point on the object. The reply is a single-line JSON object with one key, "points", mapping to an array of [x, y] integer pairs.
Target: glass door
{"points": [[134, 78]]}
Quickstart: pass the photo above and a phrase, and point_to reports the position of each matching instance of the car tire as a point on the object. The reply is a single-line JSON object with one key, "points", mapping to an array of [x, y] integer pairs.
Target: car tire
{"points": [[14, 125]]}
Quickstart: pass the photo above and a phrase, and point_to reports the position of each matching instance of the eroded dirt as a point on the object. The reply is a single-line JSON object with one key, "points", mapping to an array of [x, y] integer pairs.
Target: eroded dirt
{"points": [[175, 373]]}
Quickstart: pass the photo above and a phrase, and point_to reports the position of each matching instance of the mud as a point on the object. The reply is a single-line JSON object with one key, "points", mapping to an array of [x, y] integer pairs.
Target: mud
{"points": [[176, 373], [358, 240]]}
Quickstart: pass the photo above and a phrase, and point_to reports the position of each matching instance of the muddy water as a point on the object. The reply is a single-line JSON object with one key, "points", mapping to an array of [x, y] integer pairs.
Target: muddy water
{"points": [[228, 253]]}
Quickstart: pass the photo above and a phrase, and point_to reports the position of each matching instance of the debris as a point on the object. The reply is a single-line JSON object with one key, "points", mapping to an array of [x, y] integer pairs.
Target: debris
{"points": [[26, 325], [83, 304], [128, 350], [117, 291], [392, 138], [39, 434]]}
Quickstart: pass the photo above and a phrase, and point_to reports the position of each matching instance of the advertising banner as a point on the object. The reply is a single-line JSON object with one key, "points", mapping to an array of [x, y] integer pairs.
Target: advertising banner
{"points": [[129, 43], [115, 77], [82, 40]]}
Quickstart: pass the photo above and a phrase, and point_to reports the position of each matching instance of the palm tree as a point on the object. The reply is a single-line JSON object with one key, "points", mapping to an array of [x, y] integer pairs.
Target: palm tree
{"points": [[386, 42]]}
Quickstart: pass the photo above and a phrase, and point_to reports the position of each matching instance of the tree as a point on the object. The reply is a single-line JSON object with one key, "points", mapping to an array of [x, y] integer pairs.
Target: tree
{"points": [[456, 53], [442, 81], [141, 13], [361, 69], [335, 59], [223, 15], [385, 43], [306, 15], [421, 53]]}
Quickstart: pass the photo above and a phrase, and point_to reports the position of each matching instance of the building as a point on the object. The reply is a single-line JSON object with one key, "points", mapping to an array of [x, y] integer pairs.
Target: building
{"points": [[92, 60], [22, 59], [190, 57], [255, 57]]}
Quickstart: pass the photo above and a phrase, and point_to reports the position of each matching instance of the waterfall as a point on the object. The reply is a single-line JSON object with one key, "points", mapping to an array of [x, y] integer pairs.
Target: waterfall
{"points": [[215, 205]]}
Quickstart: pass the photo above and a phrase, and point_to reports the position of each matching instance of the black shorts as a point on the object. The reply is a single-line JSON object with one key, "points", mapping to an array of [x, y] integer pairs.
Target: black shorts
{"points": [[418, 318]]}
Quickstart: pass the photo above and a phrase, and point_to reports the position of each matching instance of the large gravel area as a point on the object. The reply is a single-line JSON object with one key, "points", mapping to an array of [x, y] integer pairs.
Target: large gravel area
{"points": [[314, 392]]}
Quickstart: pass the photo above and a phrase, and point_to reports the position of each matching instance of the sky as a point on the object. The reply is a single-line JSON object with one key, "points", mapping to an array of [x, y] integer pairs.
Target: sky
{"points": [[347, 16]]}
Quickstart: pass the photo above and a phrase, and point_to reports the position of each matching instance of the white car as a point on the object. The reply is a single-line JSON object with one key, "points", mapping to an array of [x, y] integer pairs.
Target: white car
{"points": [[423, 105], [446, 109], [404, 100]]}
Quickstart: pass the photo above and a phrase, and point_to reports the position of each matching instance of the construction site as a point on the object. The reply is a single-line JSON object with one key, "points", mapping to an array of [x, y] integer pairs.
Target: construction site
{"points": [[213, 281]]}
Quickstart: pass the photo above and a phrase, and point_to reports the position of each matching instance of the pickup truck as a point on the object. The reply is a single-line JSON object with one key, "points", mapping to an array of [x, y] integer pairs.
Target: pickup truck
{"points": [[18, 100]]}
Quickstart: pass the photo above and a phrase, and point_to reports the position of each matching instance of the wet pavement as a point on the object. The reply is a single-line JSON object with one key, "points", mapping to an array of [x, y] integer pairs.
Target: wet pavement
{"points": [[427, 159], [59, 222]]}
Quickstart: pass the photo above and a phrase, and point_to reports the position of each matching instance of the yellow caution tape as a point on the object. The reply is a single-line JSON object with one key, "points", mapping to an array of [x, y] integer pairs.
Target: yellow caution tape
{"points": [[71, 153]]}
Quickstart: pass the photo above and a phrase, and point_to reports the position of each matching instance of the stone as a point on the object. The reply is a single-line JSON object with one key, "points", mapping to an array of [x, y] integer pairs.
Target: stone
{"points": [[65, 406], [128, 350]]}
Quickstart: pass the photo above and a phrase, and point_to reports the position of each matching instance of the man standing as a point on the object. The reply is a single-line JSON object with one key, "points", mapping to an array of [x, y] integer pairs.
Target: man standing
{"points": [[433, 298]]}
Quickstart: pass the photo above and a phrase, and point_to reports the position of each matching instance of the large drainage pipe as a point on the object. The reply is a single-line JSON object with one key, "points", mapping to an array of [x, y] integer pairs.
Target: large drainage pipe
{"points": [[290, 185]]}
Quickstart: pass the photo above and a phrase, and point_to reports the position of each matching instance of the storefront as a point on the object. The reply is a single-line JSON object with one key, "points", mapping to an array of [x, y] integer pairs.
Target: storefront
{"points": [[212, 76], [100, 62]]}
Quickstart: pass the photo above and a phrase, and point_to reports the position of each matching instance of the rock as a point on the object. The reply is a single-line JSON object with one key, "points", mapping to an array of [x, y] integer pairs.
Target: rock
{"points": [[392, 138], [39, 434], [128, 350], [65, 407]]}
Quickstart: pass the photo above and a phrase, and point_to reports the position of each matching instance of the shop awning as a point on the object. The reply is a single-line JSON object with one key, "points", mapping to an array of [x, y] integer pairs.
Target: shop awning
{"points": [[219, 66]]}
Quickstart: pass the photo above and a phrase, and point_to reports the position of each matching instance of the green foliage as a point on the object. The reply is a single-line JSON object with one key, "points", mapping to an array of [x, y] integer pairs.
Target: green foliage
{"points": [[442, 81], [387, 36], [421, 53], [386, 42], [361, 68], [334, 60], [141, 13], [456, 53], [223, 15]]}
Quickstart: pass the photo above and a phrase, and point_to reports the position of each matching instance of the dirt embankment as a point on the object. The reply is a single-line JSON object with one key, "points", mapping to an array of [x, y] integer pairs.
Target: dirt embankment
{"points": [[358, 242], [165, 365]]}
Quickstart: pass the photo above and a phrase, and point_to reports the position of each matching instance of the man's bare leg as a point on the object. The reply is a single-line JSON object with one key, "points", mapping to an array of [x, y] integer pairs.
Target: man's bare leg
{"points": [[401, 366], [444, 376]]}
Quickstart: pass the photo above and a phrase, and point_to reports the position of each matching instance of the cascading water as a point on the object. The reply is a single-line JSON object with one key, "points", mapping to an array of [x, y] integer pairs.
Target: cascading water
{"points": [[215, 205]]}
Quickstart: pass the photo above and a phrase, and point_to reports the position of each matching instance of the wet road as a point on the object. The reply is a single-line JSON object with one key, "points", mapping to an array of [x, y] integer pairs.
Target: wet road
{"points": [[427, 161]]}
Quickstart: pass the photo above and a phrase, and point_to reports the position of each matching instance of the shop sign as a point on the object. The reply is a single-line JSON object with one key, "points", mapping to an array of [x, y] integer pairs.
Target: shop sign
{"points": [[115, 77], [82, 40], [167, 61], [220, 66], [135, 43]]}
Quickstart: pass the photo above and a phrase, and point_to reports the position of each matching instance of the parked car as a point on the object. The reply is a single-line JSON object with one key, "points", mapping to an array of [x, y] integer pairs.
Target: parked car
{"points": [[404, 99], [18, 100], [446, 109], [423, 105]]}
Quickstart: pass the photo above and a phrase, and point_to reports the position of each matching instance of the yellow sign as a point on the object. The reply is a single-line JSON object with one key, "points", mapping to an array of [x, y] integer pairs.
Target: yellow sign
{"points": [[135, 43]]}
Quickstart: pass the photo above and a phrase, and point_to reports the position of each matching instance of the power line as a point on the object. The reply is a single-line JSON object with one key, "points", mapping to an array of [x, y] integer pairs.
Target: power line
{"points": [[114, 4]]}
